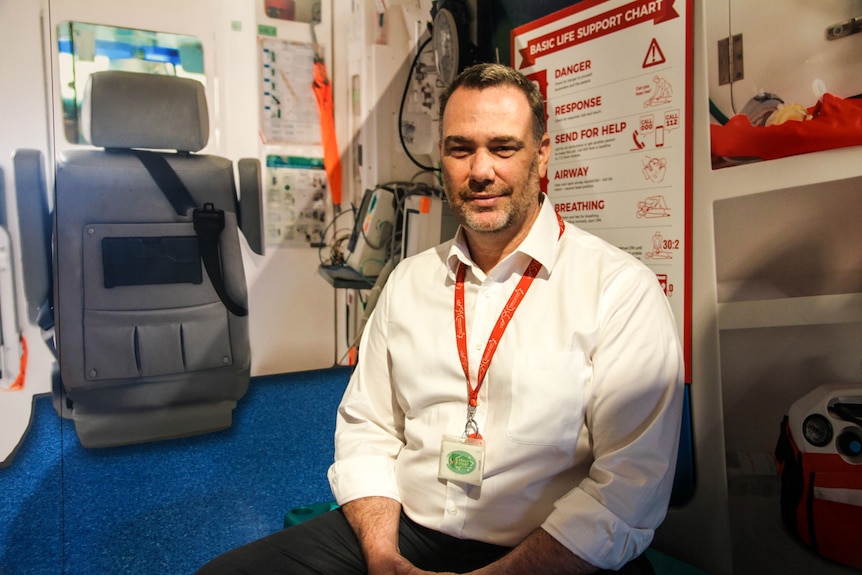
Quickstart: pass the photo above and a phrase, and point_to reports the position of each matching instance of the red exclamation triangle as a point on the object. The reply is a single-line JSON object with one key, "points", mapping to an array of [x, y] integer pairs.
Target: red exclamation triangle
{"points": [[654, 55]]}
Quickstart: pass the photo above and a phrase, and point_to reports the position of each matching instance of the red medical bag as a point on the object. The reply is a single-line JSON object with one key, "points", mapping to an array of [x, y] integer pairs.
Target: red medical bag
{"points": [[819, 455]]}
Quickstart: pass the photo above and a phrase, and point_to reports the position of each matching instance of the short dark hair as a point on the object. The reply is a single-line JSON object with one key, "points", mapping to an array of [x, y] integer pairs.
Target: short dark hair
{"points": [[481, 76]]}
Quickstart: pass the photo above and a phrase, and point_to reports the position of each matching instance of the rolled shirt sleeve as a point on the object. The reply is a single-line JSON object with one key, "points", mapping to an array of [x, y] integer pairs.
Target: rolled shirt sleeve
{"points": [[632, 415], [369, 429]]}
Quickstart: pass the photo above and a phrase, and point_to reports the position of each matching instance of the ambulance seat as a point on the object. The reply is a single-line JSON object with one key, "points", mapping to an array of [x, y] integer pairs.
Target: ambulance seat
{"points": [[152, 340]]}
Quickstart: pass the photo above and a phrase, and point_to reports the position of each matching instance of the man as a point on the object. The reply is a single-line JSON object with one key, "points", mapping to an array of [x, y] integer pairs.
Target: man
{"points": [[516, 402]]}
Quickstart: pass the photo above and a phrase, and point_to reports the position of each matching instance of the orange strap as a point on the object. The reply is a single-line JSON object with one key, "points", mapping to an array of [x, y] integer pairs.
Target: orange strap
{"points": [[331, 156], [18, 385]]}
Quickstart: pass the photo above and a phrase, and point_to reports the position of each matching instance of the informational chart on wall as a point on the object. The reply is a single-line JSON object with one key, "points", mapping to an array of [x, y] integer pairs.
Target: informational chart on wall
{"points": [[296, 205], [616, 79], [288, 113], [295, 184]]}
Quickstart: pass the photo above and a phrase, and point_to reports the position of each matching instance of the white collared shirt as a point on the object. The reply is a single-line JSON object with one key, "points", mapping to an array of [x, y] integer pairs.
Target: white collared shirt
{"points": [[580, 408]]}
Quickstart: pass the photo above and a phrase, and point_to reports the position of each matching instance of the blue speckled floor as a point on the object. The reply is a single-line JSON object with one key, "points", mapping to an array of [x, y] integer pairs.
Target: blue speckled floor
{"points": [[165, 508]]}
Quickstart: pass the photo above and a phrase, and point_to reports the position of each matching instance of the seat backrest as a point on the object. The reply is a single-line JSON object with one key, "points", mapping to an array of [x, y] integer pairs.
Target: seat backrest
{"points": [[146, 347]]}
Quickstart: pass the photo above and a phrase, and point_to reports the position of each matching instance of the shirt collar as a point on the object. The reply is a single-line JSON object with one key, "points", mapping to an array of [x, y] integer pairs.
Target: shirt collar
{"points": [[540, 243]]}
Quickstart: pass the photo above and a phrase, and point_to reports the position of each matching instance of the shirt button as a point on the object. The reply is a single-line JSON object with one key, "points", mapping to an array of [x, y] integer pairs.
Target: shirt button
{"points": [[453, 511]]}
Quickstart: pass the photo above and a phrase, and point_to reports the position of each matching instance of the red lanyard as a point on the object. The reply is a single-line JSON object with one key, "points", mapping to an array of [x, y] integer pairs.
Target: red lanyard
{"points": [[499, 327]]}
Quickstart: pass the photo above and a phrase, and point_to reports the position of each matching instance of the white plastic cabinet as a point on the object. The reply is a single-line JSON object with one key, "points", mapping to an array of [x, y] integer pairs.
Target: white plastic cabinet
{"points": [[777, 283], [777, 286]]}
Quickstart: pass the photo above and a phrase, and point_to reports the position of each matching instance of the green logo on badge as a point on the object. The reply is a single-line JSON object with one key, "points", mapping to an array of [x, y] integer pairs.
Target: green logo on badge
{"points": [[461, 462]]}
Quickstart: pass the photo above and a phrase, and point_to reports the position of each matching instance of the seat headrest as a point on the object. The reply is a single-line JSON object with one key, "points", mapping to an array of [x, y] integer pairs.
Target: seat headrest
{"points": [[134, 110]]}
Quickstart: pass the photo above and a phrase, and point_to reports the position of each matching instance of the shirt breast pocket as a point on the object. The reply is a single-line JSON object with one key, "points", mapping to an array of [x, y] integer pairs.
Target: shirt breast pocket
{"points": [[547, 397]]}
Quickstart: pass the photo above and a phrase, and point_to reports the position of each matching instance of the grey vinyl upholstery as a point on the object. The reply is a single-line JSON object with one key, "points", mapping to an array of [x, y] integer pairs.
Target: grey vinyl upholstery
{"points": [[146, 348], [129, 110]]}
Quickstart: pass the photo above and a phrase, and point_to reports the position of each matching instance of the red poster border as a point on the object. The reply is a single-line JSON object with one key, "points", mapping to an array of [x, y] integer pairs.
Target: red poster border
{"points": [[689, 139]]}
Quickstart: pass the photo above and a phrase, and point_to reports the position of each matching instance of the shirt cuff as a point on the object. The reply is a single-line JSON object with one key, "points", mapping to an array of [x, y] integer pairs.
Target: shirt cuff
{"points": [[589, 530], [359, 477]]}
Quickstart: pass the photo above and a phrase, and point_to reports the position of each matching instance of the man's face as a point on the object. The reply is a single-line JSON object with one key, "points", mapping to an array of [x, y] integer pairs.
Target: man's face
{"points": [[490, 161]]}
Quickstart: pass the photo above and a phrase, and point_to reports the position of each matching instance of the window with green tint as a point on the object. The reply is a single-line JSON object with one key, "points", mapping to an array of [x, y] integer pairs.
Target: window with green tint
{"points": [[87, 48]]}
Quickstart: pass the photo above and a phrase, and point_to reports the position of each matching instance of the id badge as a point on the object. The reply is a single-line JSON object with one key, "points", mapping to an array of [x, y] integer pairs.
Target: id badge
{"points": [[462, 459]]}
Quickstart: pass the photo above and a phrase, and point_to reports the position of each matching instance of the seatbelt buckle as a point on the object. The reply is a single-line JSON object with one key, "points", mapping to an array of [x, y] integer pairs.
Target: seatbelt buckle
{"points": [[208, 220]]}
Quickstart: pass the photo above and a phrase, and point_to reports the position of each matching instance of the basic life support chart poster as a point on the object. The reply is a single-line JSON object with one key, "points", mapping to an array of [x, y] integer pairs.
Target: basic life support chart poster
{"points": [[617, 85]]}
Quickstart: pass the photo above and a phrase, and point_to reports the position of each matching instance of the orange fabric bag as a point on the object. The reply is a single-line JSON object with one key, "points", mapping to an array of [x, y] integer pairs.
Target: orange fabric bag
{"points": [[835, 123]]}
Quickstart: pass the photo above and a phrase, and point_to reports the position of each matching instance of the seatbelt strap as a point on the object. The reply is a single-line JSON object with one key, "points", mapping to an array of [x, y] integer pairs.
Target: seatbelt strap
{"points": [[168, 181], [208, 222]]}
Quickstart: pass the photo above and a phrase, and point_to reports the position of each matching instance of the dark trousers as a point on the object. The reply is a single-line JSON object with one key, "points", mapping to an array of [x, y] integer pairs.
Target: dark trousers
{"points": [[326, 545]]}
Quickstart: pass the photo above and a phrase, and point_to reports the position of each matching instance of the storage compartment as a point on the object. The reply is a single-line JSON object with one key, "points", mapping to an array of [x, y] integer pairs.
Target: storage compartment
{"points": [[130, 344], [788, 266], [143, 266]]}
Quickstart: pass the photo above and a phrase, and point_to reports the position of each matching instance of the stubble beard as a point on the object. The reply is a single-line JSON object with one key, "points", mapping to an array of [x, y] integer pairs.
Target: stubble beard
{"points": [[486, 219], [516, 206]]}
